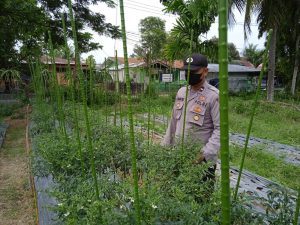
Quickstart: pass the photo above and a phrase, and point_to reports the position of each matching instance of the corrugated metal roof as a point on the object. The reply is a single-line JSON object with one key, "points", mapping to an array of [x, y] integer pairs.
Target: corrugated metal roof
{"points": [[232, 68]]}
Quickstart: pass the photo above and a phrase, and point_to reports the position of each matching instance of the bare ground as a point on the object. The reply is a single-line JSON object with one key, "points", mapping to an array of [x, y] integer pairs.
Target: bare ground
{"points": [[16, 198]]}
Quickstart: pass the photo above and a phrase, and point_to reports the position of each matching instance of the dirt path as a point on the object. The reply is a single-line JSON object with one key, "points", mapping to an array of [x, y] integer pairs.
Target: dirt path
{"points": [[16, 198]]}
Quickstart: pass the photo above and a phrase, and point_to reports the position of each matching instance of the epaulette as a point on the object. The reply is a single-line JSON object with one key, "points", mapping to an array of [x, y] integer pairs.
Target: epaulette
{"points": [[214, 89], [181, 92]]}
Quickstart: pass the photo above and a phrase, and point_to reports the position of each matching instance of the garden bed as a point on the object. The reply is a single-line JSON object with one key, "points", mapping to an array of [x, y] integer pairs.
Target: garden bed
{"points": [[170, 192]]}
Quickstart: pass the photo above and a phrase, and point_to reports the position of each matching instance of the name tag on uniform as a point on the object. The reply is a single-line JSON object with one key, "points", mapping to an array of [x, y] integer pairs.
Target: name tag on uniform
{"points": [[201, 103]]}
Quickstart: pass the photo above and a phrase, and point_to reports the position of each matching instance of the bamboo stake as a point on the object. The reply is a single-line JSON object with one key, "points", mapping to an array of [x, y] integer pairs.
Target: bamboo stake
{"points": [[255, 105], [57, 92], [149, 100], [86, 116], [186, 94], [130, 116], [72, 91], [223, 75], [297, 208], [119, 93]]}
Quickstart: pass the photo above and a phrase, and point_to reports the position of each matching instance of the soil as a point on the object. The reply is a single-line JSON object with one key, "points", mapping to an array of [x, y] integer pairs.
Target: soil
{"points": [[16, 196]]}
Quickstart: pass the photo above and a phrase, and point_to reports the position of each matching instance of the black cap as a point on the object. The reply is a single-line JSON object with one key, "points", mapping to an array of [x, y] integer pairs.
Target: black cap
{"points": [[196, 60]]}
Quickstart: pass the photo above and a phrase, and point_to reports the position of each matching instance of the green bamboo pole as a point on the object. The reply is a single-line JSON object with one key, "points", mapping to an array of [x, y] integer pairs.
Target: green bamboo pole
{"points": [[223, 76], [105, 93], [297, 208], [255, 105], [119, 91], [86, 116], [72, 93], [57, 92], [149, 100], [115, 104], [91, 77], [186, 94], [130, 116]]}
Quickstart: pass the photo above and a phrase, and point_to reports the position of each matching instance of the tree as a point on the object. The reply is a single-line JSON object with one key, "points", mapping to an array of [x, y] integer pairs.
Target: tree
{"points": [[270, 14], [195, 17], [233, 53], [253, 54], [18, 30], [153, 37], [90, 61], [84, 17], [24, 27]]}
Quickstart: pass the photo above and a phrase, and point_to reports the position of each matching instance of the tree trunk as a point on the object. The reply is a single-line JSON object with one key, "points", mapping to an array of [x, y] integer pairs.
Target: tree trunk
{"points": [[271, 69], [296, 66]]}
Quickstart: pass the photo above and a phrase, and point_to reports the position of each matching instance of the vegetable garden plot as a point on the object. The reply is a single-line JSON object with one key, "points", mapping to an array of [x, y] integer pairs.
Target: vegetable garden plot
{"points": [[104, 175], [251, 183], [289, 153], [74, 193]]}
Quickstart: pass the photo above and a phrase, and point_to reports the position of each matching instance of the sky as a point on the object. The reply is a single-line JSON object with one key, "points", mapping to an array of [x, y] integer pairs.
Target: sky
{"points": [[135, 10]]}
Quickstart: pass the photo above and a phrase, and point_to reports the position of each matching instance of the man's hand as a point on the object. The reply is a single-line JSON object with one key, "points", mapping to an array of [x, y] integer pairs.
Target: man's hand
{"points": [[199, 158]]}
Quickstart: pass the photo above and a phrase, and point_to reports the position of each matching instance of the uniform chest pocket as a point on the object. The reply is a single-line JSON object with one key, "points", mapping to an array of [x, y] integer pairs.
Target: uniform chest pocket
{"points": [[178, 109], [196, 115]]}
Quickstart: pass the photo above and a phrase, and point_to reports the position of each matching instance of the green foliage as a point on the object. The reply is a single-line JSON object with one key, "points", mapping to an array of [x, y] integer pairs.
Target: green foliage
{"points": [[20, 24], [254, 55], [266, 124], [8, 109], [233, 53], [194, 16], [279, 207], [153, 92], [153, 37], [267, 165], [171, 189]]}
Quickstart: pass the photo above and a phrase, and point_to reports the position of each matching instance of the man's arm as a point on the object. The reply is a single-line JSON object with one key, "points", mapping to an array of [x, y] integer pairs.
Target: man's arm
{"points": [[211, 149]]}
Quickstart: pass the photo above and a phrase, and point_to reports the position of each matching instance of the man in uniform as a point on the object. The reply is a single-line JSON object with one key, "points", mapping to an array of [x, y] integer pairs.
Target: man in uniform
{"points": [[202, 114]]}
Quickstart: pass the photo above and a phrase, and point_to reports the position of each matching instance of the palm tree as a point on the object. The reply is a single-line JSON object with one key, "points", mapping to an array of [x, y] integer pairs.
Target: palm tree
{"points": [[270, 14], [194, 16]]}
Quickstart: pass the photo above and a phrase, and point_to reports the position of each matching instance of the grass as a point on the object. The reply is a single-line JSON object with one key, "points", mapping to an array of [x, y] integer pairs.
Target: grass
{"points": [[278, 121], [267, 165], [274, 121]]}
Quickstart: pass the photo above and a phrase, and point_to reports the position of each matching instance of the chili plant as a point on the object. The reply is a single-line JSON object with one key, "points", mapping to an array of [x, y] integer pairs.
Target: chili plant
{"points": [[255, 105], [86, 116], [223, 75], [130, 116]]}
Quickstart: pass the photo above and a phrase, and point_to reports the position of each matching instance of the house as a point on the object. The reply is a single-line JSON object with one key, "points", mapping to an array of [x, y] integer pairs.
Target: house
{"points": [[61, 66], [138, 70], [241, 77]]}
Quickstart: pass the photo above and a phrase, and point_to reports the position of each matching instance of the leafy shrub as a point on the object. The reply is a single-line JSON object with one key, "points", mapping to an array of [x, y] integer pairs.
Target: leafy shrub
{"points": [[8, 109]]}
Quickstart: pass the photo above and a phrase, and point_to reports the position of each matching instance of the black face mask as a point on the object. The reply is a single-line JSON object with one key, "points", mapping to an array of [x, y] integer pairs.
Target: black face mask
{"points": [[194, 78]]}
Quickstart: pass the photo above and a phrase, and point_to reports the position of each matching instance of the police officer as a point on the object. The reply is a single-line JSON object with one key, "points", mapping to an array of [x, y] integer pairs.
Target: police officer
{"points": [[202, 115]]}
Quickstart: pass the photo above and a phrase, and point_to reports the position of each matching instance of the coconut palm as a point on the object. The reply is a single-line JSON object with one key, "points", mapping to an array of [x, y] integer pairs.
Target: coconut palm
{"points": [[270, 14]]}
